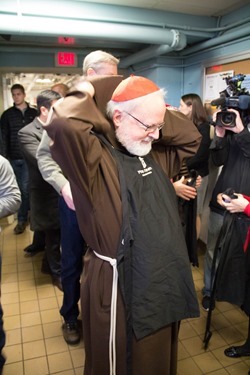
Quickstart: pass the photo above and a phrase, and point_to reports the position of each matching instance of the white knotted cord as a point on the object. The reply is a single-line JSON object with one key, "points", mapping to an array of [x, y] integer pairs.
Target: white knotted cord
{"points": [[112, 332]]}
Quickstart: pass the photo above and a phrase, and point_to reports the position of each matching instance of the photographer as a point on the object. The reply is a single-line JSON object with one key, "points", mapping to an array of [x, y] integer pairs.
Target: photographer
{"points": [[240, 204], [230, 148]]}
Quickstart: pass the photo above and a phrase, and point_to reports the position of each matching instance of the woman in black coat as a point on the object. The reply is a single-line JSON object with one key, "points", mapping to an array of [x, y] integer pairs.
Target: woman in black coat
{"points": [[192, 106]]}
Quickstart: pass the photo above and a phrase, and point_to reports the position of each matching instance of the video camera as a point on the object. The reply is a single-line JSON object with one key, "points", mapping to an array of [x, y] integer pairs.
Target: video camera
{"points": [[232, 97]]}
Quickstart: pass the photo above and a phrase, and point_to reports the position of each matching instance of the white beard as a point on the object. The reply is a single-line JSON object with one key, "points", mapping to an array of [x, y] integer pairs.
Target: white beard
{"points": [[137, 148]]}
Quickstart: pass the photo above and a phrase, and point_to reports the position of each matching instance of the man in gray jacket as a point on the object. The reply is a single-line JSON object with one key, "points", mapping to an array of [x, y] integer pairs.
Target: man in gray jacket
{"points": [[10, 201], [44, 214], [10, 196]]}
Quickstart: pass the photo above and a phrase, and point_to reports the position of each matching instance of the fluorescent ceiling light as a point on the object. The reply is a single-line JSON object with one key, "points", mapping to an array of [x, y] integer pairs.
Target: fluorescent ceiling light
{"points": [[43, 80]]}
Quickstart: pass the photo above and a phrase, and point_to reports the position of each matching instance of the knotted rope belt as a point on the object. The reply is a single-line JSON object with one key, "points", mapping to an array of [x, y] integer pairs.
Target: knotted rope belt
{"points": [[113, 311]]}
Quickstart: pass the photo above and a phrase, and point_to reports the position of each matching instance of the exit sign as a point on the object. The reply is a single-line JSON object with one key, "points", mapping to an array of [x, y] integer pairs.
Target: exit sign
{"points": [[66, 40], [66, 59]]}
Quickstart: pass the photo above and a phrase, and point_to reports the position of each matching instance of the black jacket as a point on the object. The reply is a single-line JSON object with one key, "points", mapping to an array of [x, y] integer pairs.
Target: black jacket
{"points": [[199, 161], [233, 152], [12, 120], [44, 212], [233, 274]]}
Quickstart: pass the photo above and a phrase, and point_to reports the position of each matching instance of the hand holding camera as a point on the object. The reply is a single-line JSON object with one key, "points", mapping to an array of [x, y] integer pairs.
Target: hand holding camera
{"points": [[238, 124], [234, 104]]}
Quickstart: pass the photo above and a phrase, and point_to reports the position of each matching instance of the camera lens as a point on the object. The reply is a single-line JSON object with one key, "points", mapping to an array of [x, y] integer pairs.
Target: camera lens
{"points": [[227, 119]]}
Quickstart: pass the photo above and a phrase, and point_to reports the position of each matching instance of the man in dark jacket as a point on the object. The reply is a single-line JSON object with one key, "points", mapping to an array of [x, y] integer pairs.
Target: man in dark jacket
{"points": [[230, 148], [12, 120], [44, 213]]}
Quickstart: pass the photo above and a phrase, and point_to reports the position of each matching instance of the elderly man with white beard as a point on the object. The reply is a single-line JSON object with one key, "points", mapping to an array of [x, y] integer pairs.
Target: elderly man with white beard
{"points": [[137, 284]]}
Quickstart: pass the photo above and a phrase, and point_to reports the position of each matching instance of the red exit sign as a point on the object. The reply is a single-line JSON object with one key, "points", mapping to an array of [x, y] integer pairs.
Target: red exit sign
{"points": [[66, 40], [66, 59]]}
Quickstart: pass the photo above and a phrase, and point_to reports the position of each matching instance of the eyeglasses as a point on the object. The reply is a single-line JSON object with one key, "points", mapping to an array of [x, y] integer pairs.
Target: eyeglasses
{"points": [[148, 128]]}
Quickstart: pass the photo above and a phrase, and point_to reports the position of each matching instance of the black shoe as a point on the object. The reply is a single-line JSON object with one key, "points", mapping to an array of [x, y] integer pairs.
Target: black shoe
{"points": [[237, 351], [206, 303], [20, 227], [71, 333], [57, 282], [32, 250]]}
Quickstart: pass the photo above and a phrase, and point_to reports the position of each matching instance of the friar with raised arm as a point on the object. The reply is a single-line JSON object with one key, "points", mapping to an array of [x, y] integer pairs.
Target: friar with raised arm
{"points": [[118, 145]]}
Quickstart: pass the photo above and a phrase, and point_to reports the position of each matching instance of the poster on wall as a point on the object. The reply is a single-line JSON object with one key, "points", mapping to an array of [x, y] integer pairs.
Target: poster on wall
{"points": [[215, 83]]}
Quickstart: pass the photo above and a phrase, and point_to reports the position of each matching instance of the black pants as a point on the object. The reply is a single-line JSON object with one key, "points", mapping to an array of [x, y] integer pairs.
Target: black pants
{"points": [[52, 255], [73, 249]]}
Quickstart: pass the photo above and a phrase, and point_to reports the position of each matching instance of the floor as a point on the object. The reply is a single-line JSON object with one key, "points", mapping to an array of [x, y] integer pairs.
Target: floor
{"points": [[34, 343]]}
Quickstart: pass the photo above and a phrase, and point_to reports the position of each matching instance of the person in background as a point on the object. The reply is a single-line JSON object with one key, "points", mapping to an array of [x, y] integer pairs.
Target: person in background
{"points": [[99, 63], [230, 148], [10, 201], [12, 120], [44, 213], [240, 204], [72, 243], [185, 186], [10, 195], [61, 88], [184, 190], [209, 109], [191, 105], [127, 212], [38, 242]]}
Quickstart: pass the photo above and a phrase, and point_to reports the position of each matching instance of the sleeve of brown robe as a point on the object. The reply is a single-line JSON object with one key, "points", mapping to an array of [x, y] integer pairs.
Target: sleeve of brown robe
{"points": [[180, 140]]}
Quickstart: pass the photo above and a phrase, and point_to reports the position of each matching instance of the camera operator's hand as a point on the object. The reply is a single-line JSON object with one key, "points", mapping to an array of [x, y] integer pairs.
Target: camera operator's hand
{"points": [[219, 130], [239, 125]]}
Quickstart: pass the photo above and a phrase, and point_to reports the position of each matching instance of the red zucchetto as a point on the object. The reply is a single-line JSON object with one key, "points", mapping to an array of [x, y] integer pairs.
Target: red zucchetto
{"points": [[133, 87]]}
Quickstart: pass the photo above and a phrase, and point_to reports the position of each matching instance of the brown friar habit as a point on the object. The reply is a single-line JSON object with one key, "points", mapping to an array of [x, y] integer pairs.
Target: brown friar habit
{"points": [[127, 211]]}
